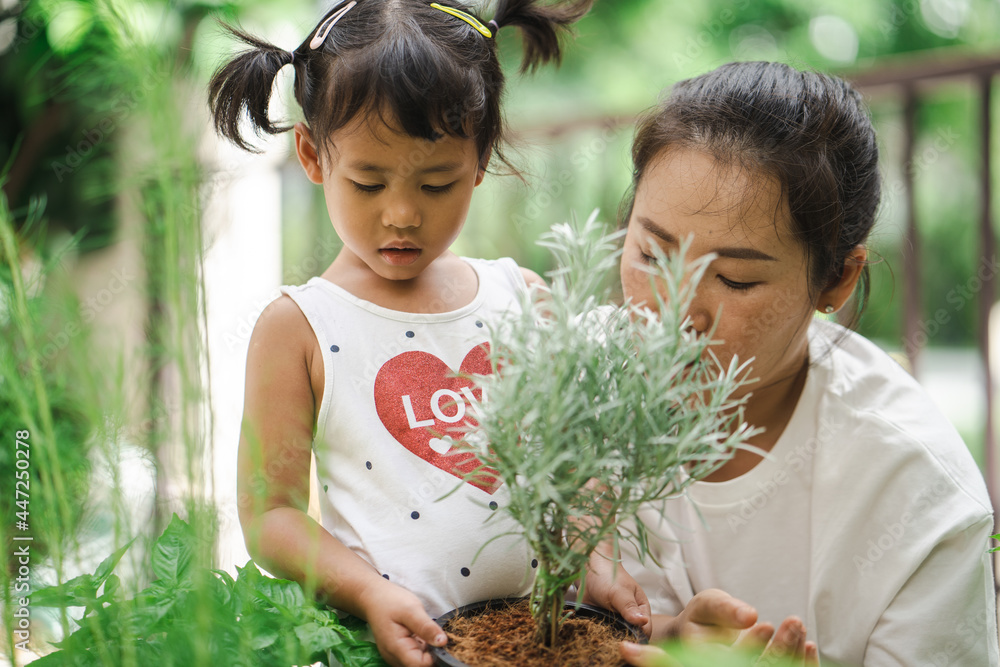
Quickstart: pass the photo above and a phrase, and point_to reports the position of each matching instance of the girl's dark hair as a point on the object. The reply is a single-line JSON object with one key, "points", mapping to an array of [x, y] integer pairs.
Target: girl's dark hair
{"points": [[402, 61], [809, 130]]}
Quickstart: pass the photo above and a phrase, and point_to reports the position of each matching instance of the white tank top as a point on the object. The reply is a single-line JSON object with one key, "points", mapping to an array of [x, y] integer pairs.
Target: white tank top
{"points": [[382, 447]]}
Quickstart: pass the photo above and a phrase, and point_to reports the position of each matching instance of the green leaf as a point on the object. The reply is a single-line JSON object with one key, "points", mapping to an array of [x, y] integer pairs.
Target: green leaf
{"points": [[264, 638], [79, 591], [283, 594], [108, 565], [172, 553]]}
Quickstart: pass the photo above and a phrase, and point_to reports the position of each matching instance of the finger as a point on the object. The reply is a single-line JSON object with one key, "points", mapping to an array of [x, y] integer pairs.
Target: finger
{"points": [[812, 654], [755, 637], [408, 652], [789, 640], [632, 604], [424, 627], [646, 656], [715, 607]]}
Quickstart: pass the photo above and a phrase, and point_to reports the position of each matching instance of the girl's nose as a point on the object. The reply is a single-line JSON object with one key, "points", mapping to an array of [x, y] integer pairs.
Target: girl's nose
{"points": [[401, 213]]}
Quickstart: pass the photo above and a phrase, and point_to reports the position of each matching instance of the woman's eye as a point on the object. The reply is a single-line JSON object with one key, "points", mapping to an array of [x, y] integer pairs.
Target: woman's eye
{"points": [[361, 187], [439, 189], [732, 284]]}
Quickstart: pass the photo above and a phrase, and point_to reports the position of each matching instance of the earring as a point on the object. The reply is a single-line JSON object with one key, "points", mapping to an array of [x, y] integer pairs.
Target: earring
{"points": [[829, 308]]}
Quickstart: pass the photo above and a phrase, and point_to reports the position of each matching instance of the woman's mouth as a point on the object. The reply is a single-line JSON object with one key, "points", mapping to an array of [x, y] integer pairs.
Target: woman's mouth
{"points": [[400, 256]]}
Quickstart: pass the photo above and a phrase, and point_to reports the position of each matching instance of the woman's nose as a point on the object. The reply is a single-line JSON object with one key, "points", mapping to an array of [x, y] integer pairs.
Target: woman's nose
{"points": [[699, 313]]}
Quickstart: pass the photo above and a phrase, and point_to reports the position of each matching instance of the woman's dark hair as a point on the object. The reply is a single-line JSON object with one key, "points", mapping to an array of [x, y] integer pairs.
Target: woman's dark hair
{"points": [[404, 61], [809, 130]]}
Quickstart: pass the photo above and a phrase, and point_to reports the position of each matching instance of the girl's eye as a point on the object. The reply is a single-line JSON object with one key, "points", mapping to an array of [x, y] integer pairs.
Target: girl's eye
{"points": [[733, 285], [438, 189], [368, 189]]}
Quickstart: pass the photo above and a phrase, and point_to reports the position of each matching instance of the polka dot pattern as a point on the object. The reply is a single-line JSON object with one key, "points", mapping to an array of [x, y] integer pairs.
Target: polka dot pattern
{"points": [[368, 464], [335, 348], [466, 572], [493, 505], [410, 334], [414, 515]]}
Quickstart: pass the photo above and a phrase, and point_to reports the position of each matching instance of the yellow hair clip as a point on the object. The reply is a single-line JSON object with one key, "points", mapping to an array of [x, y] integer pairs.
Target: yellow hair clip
{"points": [[468, 18]]}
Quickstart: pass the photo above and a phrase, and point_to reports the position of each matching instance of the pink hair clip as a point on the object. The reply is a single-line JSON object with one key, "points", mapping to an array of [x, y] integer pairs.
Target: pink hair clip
{"points": [[324, 29]]}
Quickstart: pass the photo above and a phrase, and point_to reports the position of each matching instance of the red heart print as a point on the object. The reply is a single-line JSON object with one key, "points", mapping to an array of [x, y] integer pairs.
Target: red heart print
{"points": [[424, 405]]}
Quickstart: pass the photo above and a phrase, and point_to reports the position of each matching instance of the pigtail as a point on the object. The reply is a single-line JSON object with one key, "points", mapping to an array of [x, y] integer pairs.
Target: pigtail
{"points": [[540, 25], [243, 86]]}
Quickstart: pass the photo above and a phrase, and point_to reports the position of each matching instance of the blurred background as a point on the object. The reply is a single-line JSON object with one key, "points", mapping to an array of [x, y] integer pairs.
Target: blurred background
{"points": [[138, 250]]}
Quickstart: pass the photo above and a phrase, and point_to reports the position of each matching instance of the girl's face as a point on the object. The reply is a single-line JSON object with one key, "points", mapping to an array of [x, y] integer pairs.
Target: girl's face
{"points": [[396, 202], [756, 291]]}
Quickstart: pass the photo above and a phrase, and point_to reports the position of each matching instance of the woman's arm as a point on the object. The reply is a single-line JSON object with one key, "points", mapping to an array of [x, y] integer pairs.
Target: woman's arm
{"points": [[273, 492]]}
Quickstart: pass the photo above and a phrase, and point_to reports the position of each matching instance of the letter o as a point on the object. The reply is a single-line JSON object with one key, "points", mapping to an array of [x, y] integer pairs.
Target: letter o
{"points": [[456, 399]]}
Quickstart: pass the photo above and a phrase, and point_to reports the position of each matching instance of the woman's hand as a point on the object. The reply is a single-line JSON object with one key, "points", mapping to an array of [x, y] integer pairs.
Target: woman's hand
{"points": [[402, 628], [713, 615]]}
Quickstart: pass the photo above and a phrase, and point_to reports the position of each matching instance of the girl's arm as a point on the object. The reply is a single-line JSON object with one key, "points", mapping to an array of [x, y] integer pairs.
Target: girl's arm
{"points": [[273, 492]]}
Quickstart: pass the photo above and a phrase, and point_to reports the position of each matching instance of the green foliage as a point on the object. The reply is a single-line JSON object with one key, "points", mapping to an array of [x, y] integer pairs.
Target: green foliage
{"points": [[592, 412], [698, 654], [191, 615], [53, 412]]}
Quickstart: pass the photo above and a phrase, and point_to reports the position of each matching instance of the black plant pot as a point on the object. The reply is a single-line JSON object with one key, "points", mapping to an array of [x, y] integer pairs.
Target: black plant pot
{"points": [[443, 658]]}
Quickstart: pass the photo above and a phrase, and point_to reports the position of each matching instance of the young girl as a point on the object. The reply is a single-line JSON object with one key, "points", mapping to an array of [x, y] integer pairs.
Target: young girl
{"points": [[362, 364], [868, 521]]}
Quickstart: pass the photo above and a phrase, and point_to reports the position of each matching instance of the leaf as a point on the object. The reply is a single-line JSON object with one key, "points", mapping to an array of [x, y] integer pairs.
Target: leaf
{"points": [[172, 553], [108, 565], [263, 638], [77, 592], [314, 637], [283, 594]]}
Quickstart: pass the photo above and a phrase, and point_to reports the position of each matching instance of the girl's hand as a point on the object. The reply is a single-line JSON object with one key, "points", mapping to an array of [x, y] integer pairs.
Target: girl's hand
{"points": [[608, 585], [401, 627]]}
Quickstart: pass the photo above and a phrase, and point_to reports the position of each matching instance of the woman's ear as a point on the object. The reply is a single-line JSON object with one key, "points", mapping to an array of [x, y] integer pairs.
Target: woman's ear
{"points": [[834, 297], [308, 156]]}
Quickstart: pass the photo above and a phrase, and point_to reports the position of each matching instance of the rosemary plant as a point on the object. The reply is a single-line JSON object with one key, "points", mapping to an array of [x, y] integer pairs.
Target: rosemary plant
{"points": [[595, 410]]}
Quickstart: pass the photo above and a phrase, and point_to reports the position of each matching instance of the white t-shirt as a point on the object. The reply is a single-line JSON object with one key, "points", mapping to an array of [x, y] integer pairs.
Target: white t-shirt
{"points": [[869, 521], [390, 480]]}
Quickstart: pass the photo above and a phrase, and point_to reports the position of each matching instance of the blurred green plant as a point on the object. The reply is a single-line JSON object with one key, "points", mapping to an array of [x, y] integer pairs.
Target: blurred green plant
{"points": [[595, 411], [704, 654], [193, 616]]}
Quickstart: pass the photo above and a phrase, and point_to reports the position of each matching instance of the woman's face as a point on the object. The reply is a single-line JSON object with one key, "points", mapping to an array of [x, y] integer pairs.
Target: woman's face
{"points": [[756, 291]]}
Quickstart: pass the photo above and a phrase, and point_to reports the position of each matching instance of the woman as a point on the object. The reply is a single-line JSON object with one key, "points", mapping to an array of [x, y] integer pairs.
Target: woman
{"points": [[868, 519]]}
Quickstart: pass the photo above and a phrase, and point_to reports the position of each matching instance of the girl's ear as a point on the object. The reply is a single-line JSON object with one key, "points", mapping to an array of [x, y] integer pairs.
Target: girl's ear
{"points": [[308, 156], [483, 163], [834, 297]]}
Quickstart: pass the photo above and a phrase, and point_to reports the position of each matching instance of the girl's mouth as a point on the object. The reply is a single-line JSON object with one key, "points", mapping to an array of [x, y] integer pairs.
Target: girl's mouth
{"points": [[400, 256]]}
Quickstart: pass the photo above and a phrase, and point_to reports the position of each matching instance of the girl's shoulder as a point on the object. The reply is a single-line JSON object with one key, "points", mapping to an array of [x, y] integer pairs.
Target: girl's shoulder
{"points": [[505, 271]]}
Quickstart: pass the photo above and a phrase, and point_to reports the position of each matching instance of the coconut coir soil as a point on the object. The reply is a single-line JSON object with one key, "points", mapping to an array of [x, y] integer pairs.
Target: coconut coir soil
{"points": [[505, 638]]}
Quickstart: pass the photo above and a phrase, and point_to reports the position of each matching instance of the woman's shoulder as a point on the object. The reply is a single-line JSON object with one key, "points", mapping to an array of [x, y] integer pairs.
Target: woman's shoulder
{"points": [[881, 423]]}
